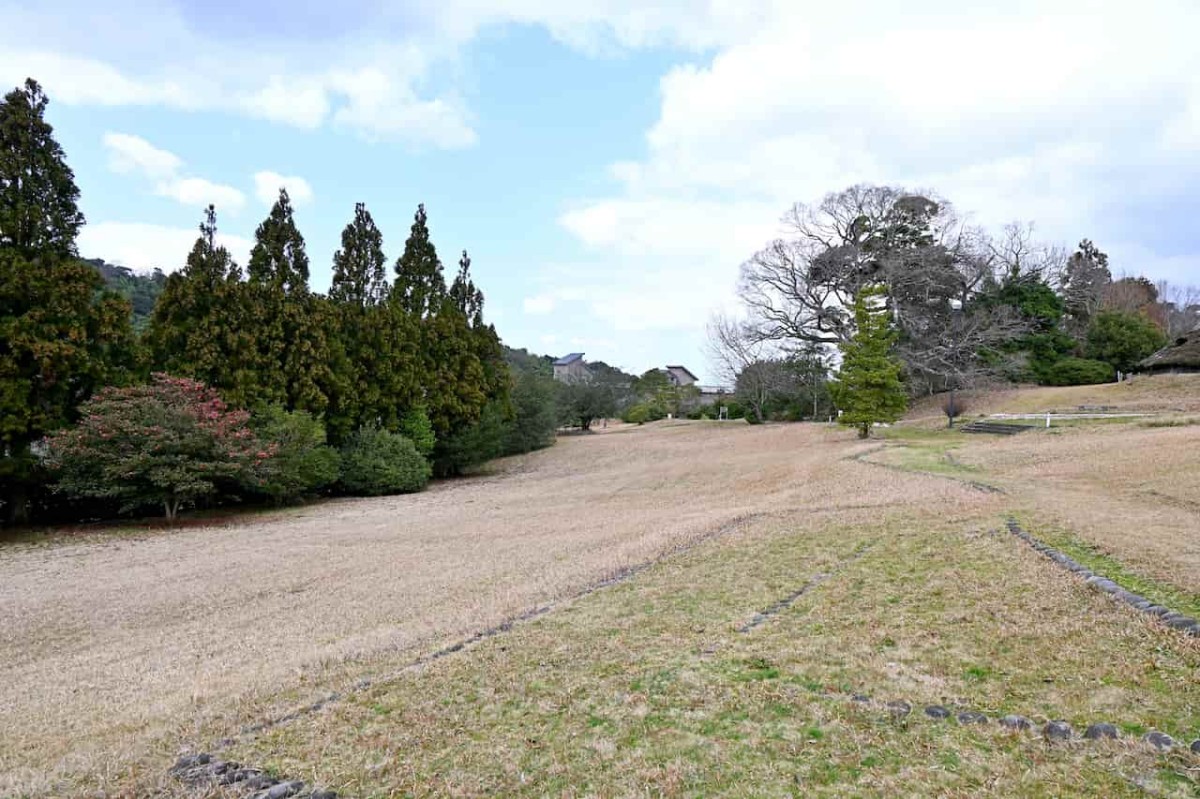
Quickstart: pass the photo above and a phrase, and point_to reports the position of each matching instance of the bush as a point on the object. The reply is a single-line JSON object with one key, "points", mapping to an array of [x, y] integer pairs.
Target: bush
{"points": [[953, 406], [376, 462], [1076, 372], [642, 412], [169, 443], [301, 463]]}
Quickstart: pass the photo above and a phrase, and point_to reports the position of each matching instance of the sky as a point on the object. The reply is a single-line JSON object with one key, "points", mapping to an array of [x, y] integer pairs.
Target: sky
{"points": [[610, 163]]}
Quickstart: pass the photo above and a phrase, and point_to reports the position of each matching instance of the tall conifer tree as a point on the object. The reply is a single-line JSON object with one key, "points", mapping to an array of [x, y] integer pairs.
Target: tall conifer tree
{"points": [[60, 335], [197, 328], [419, 285], [290, 331], [380, 342]]}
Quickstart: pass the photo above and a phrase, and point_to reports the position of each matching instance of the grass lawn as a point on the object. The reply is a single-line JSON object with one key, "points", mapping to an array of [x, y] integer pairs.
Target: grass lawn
{"points": [[648, 688], [793, 571]]}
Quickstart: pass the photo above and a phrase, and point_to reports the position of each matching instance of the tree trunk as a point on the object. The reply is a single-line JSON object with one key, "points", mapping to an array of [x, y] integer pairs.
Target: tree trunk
{"points": [[171, 506], [864, 431]]}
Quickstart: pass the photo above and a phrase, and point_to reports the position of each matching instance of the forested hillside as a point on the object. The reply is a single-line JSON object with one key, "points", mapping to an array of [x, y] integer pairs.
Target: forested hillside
{"points": [[142, 291]]}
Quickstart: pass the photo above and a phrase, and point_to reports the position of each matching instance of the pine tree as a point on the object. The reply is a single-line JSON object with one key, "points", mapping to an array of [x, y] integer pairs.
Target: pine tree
{"points": [[869, 388], [61, 336], [419, 286]]}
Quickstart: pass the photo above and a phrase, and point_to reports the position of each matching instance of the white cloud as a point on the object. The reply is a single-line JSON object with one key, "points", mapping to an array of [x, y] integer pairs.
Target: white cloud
{"points": [[1092, 118], [302, 103], [130, 154], [267, 186], [144, 247], [198, 193]]}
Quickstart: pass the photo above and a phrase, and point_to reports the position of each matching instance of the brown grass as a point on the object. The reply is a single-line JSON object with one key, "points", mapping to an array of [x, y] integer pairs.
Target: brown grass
{"points": [[1132, 492], [111, 644], [116, 651], [1142, 394]]}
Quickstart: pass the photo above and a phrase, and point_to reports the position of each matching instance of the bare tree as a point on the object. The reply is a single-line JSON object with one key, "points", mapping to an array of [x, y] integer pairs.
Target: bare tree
{"points": [[1181, 306], [749, 363], [1017, 254]]}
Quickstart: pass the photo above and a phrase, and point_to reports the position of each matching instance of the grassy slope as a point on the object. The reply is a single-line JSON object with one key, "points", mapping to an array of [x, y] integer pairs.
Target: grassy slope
{"points": [[1167, 393]]}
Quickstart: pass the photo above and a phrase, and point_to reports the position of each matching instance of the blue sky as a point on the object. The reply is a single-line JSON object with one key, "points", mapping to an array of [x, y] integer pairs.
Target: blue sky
{"points": [[609, 164]]}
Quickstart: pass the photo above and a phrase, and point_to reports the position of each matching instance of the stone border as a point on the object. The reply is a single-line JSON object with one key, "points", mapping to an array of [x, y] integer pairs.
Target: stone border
{"points": [[1053, 731], [765, 615], [202, 770], [1185, 624]]}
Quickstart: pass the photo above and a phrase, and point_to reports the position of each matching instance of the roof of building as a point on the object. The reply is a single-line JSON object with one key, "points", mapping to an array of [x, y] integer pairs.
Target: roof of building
{"points": [[683, 369], [569, 358], [1183, 352]]}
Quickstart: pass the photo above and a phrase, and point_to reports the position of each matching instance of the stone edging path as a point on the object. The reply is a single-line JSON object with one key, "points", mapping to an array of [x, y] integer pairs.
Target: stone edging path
{"points": [[1178, 621]]}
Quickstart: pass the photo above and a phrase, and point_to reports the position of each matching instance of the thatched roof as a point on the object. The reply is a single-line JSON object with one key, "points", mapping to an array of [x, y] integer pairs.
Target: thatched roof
{"points": [[1183, 353]]}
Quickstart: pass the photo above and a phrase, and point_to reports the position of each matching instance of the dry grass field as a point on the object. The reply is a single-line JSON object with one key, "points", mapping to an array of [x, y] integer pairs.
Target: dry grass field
{"points": [[120, 650]]}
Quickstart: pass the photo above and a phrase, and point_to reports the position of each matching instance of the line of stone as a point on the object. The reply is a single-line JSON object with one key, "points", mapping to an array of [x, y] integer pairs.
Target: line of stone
{"points": [[1056, 730], [1173, 619], [619, 576], [789, 600], [204, 771]]}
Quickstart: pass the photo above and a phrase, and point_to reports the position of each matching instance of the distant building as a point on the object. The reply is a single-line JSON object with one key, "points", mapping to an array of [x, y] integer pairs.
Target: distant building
{"points": [[570, 367], [1181, 357], [680, 375], [713, 395]]}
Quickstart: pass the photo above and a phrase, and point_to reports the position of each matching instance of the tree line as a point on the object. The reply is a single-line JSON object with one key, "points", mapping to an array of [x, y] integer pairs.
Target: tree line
{"points": [[243, 383], [965, 306]]}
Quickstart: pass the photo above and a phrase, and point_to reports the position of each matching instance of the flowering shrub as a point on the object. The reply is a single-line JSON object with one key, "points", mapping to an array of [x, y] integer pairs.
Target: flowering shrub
{"points": [[168, 443]]}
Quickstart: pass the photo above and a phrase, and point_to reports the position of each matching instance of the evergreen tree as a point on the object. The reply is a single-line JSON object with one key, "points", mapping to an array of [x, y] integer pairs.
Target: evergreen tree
{"points": [[279, 258], [419, 286], [61, 336], [1084, 282], [292, 363], [869, 389], [359, 267], [1123, 339], [365, 331], [197, 329], [39, 215]]}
